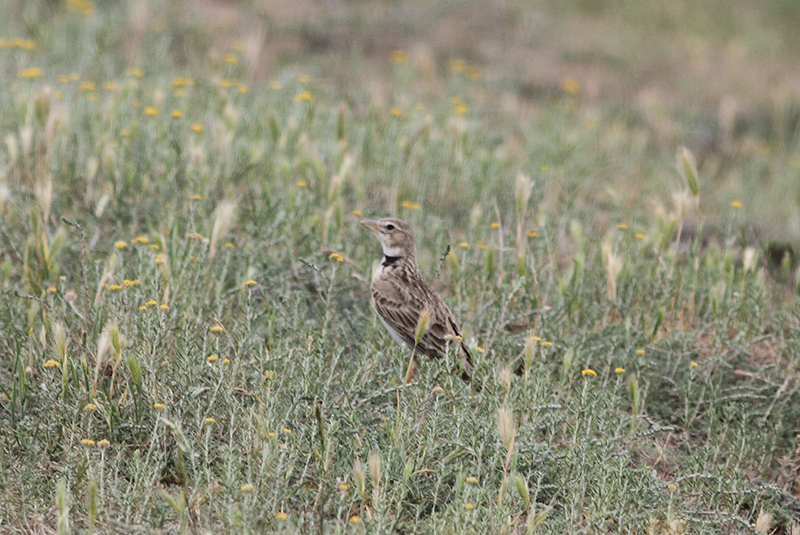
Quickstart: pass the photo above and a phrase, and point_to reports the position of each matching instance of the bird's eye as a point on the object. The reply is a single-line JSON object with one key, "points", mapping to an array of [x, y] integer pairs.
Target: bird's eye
{"points": [[389, 227]]}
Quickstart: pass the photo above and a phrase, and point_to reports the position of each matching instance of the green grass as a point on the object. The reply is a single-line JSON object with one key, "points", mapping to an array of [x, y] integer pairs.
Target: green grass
{"points": [[181, 351]]}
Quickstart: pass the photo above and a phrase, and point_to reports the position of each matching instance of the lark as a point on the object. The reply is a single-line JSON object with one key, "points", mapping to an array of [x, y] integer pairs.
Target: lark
{"points": [[401, 295]]}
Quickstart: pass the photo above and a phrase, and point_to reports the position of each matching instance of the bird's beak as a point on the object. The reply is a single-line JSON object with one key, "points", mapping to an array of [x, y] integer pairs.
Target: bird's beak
{"points": [[372, 225]]}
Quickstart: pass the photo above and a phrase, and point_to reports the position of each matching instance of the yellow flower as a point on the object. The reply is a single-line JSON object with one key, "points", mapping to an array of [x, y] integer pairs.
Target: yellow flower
{"points": [[533, 234], [115, 287], [103, 443], [280, 515], [472, 480], [141, 239], [399, 56], [672, 486], [228, 83], [52, 289], [210, 420], [548, 344], [251, 282], [197, 197], [302, 184], [86, 86], [151, 110], [397, 112], [177, 114], [247, 487], [335, 256], [135, 71], [304, 96], [120, 245], [196, 127], [473, 72], [270, 375], [89, 407], [217, 329], [622, 226], [694, 364], [226, 360], [342, 486], [142, 307], [152, 303], [461, 110], [469, 506], [410, 205], [639, 236], [229, 245], [287, 430], [536, 339], [231, 59], [736, 204], [464, 245], [571, 86], [619, 370], [243, 89], [160, 259], [589, 371], [155, 247], [124, 133], [479, 349], [110, 86], [164, 306], [30, 72], [495, 224], [87, 442], [355, 519], [303, 79], [543, 167], [52, 364], [158, 405], [212, 358], [640, 351]]}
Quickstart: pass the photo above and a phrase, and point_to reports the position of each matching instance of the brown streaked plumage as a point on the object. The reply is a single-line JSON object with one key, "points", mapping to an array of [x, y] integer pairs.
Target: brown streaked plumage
{"points": [[400, 294]]}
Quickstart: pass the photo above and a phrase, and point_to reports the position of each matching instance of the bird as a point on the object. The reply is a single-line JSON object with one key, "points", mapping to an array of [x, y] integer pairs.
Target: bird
{"points": [[401, 296]]}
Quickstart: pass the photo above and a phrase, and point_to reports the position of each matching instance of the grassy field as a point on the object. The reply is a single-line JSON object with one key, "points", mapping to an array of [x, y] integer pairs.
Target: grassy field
{"points": [[186, 340]]}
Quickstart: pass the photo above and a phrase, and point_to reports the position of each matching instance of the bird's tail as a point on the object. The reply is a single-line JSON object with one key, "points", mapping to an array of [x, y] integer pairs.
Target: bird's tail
{"points": [[466, 364]]}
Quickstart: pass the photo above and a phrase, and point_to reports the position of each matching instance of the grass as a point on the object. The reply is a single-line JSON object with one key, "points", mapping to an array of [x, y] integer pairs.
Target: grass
{"points": [[186, 341]]}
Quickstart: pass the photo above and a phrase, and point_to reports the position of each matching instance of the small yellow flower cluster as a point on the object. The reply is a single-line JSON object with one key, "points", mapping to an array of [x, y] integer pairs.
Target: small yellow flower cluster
{"points": [[87, 442], [52, 364], [589, 371], [399, 56], [84, 7], [460, 65], [410, 205], [89, 407], [128, 283], [212, 358], [570, 86], [197, 127], [246, 488], [619, 370], [141, 239], [30, 72], [336, 256], [151, 110], [216, 329], [304, 96], [135, 71], [180, 82], [158, 405], [280, 515], [302, 184], [533, 234], [250, 283], [120, 245], [460, 107], [24, 44]]}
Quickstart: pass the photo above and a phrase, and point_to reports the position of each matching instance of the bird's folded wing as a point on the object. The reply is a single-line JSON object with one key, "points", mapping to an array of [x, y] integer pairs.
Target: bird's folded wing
{"points": [[402, 310]]}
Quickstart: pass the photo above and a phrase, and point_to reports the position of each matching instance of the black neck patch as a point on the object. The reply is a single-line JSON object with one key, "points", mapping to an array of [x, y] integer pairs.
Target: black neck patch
{"points": [[390, 260]]}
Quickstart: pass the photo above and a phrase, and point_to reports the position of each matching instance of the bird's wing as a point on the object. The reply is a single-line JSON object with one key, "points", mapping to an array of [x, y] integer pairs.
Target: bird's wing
{"points": [[401, 307]]}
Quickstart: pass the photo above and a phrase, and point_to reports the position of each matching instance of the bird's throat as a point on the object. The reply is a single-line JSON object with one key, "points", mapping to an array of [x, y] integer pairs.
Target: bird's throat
{"points": [[390, 260]]}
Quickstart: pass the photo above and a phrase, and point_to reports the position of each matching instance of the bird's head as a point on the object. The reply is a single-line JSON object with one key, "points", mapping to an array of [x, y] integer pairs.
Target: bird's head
{"points": [[396, 237]]}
